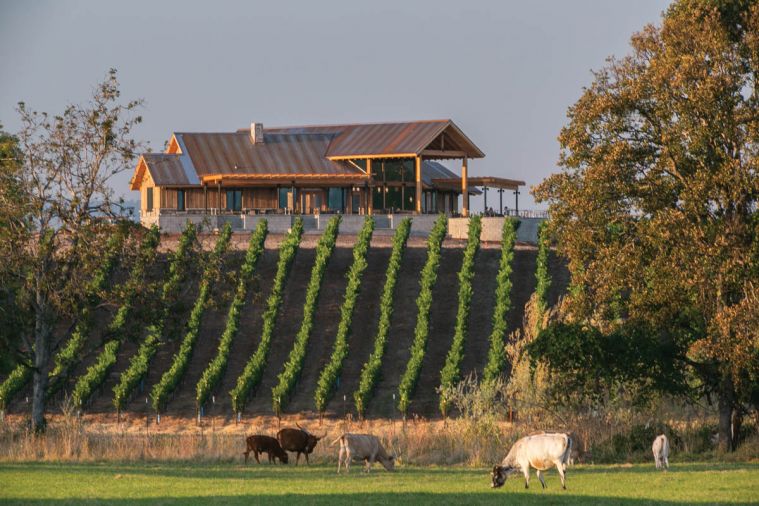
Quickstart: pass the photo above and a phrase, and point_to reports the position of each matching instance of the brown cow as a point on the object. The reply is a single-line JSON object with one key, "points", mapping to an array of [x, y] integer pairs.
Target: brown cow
{"points": [[265, 444], [298, 440]]}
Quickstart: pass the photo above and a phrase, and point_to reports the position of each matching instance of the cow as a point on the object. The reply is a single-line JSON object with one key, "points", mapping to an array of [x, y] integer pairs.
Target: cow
{"points": [[541, 451], [661, 452], [362, 446], [264, 444], [298, 440]]}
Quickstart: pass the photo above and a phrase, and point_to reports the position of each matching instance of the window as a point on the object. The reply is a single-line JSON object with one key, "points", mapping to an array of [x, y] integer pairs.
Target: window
{"points": [[149, 199], [336, 200], [180, 200], [234, 200]]}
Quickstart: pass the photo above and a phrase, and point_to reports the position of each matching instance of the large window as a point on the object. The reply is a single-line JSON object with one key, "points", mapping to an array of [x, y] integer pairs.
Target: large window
{"points": [[234, 200], [336, 199], [149, 199]]}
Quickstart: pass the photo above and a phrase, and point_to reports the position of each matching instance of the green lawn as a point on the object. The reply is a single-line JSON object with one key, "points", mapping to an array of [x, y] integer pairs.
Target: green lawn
{"points": [[181, 483]]}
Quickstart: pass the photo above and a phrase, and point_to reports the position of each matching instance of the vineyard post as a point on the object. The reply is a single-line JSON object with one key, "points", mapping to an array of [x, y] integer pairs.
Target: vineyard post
{"points": [[395, 414]]}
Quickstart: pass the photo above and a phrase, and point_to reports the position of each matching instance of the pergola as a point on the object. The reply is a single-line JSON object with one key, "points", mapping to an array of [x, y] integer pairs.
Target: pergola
{"points": [[485, 182]]}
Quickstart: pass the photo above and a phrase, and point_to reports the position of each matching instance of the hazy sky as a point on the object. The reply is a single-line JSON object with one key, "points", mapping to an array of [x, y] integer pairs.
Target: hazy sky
{"points": [[504, 71]]}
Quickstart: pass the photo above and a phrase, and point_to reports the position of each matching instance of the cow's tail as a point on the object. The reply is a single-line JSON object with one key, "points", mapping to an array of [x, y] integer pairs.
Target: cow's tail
{"points": [[567, 452]]}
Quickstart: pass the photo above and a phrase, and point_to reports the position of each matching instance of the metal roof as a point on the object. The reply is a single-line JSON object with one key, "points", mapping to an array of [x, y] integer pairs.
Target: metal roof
{"points": [[486, 181], [234, 153], [432, 171], [316, 151], [165, 169], [373, 139]]}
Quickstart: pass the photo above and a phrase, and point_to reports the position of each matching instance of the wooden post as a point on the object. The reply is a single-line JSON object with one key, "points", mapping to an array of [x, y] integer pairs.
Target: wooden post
{"points": [[418, 203], [464, 189], [370, 188], [205, 196], [218, 204]]}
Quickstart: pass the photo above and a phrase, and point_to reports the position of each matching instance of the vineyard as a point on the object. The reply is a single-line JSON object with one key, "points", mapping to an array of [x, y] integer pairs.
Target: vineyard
{"points": [[330, 323]]}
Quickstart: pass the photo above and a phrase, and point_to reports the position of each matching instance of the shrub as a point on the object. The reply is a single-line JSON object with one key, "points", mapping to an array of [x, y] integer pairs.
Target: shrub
{"points": [[253, 371], [423, 304], [139, 364], [496, 354], [215, 369], [170, 379], [96, 373], [451, 372], [294, 364], [541, 275], [13, 383], [328, 376], [371, 369]]}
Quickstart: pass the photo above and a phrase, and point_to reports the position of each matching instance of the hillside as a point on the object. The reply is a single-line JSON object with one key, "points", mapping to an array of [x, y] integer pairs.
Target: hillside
{"points": [[443, 314]]}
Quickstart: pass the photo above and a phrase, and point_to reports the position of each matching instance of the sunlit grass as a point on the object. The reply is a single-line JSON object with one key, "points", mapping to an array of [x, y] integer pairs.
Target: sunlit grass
{"points": [[97, 483]]}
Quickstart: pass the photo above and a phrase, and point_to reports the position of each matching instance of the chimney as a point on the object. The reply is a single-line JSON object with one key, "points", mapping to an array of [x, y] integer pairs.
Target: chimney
{"points": [[257, 133]]}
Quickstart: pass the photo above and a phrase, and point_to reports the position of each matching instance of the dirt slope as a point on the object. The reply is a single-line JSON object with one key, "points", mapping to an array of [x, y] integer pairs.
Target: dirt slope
{"points": [[401, 332], [288, 323], [364, 328], [442, 322], [480, 322], [325, 326]]}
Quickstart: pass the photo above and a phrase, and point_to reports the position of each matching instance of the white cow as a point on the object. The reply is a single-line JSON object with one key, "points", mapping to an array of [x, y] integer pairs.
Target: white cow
{"points": [[661, 452], [362, 446], [541, 451]]}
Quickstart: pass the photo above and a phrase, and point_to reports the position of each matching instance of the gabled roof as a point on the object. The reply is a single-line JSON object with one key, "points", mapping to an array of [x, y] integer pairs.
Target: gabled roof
{"points": [[165, 169], [234, 153], [386, 139], [323, 151]]}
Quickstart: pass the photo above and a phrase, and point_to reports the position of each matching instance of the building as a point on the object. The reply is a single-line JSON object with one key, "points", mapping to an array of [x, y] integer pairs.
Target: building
{"points": [[382, 168]]}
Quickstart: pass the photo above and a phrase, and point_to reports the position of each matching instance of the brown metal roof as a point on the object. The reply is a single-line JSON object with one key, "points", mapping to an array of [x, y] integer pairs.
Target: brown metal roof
{"points": [[235, 153], [319, 150], [490, 182], [434, 171], [166, 170], [377, 139]]}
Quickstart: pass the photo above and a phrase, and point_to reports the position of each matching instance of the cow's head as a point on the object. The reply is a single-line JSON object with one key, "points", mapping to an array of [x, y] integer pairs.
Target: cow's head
{"points": [[499, 475], [312, 439], [282, 455], [389, 462]]}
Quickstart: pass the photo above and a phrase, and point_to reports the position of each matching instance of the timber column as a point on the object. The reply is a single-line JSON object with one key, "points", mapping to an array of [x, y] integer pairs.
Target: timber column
{"points": [[369, 189], [418, 203], [464, 189]]}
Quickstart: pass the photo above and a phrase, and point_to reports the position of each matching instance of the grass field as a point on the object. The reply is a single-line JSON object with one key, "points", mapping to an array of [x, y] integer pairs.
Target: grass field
{"points": [[100, 483]]}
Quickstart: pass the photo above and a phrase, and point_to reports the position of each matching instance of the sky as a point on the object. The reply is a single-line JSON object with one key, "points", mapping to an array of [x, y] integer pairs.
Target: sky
{"points": [[504, 71]]}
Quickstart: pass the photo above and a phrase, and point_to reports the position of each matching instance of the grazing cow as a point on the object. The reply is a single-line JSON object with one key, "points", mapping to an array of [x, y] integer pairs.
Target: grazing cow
{"points": [[298, 440], [362, 446], [541, 451], [264, 444], [661, 452]]}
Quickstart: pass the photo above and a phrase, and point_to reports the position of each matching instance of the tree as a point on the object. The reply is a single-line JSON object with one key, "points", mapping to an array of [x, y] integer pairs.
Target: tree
{"points": [[655, 206], [12, 315], [57, 228]]}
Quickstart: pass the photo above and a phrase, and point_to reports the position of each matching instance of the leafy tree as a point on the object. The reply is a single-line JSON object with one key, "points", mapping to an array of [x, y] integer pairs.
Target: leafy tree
{"points": [[13, 317], [59, 232], [655, 209]]}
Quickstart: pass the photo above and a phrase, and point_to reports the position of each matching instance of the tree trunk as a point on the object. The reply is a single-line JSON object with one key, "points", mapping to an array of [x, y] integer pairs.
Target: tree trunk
{"points": [[736, 427], [43, 330], [726, 408]]}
